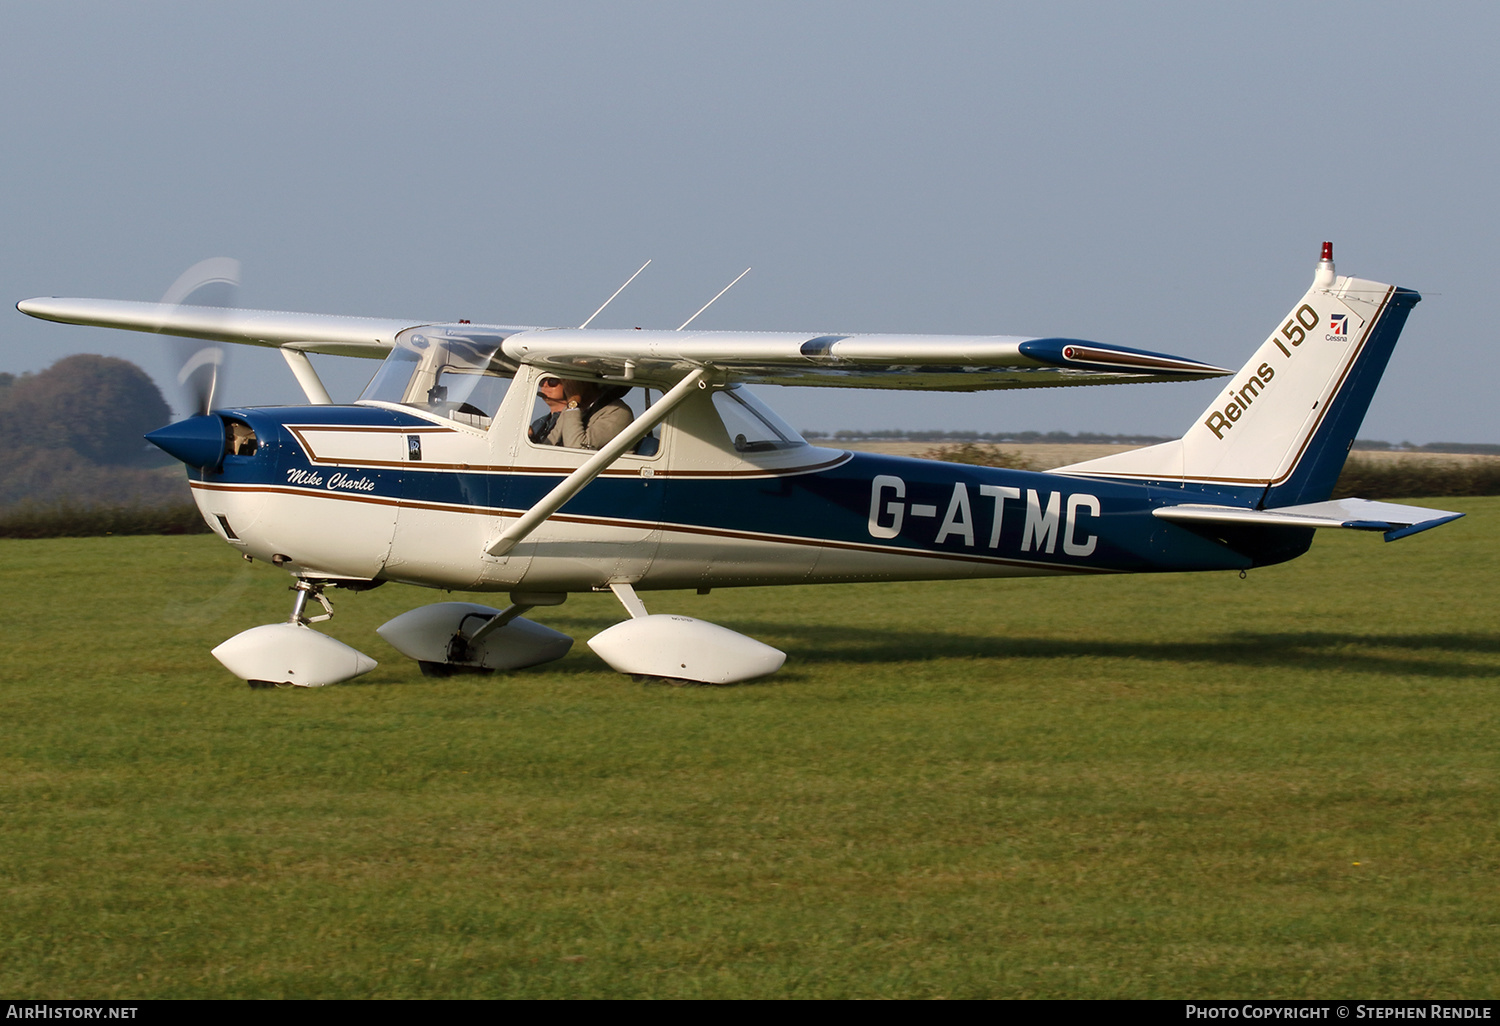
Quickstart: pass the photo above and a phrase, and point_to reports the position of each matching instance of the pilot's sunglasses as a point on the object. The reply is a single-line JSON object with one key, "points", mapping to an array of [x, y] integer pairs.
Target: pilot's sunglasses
{"points": [[550, 382]]}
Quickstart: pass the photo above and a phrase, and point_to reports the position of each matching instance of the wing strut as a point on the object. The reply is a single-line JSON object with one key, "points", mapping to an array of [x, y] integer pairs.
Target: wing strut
{"points": [[575, 482], [306, 376]]}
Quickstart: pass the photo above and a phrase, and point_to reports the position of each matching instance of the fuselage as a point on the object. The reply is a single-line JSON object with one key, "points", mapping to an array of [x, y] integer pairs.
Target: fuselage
{"points": [[372, 492]]}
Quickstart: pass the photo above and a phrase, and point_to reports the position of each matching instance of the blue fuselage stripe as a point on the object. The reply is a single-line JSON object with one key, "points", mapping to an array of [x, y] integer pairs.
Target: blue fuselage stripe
{"points": [[872, 501]]}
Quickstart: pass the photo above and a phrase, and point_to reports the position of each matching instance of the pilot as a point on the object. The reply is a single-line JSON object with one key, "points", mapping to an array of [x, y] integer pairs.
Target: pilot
{"points": [[581, 415]]}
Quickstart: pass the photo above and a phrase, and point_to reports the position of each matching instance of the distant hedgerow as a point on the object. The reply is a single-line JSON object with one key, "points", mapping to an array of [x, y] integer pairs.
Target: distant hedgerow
{"points": [[1376, 479], [980, 454], [67, 520], [1368, 479]]}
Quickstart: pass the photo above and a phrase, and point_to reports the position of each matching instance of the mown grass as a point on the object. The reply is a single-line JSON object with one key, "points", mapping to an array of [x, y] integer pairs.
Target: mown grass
{"points": [[1169, 786]]}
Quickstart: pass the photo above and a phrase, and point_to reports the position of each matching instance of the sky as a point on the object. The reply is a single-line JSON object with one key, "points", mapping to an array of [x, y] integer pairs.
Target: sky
{"points": [[1156, 175]]}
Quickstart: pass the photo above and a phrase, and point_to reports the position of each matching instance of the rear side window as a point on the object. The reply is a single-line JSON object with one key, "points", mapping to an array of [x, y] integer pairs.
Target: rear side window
{"points": [[751, 426]]}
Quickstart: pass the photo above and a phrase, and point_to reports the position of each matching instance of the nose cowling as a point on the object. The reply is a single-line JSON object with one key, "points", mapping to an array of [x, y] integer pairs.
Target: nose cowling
{"points": [[197, 441]]}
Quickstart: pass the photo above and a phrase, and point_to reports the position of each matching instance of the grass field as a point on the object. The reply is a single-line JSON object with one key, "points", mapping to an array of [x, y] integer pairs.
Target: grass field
{"points": [[1164, 786]]}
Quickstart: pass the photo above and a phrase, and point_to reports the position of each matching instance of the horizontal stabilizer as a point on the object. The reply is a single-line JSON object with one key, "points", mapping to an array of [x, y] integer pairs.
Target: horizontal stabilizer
{"points": [[1358, 514]]}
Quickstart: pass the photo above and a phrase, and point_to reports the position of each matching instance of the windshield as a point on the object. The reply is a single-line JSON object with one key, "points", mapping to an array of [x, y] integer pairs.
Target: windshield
{"points": [[461, 377]]}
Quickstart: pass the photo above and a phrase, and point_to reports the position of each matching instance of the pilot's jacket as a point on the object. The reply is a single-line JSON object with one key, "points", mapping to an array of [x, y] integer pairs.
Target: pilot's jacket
{"points": [[577, 429]]}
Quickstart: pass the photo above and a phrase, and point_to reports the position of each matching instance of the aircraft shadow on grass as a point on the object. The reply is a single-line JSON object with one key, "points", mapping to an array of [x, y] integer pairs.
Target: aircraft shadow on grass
{"points": [[1433, 655]]}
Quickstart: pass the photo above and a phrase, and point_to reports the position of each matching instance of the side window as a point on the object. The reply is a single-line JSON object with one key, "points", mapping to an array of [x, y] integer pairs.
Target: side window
{"points": [[750, 426], [471, 397], [638, 399], [602, 412], [485, 397]]}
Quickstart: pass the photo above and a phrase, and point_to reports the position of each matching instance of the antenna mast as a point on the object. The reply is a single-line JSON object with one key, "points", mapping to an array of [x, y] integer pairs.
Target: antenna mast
{"points": [[611, 299], [712, 301]]}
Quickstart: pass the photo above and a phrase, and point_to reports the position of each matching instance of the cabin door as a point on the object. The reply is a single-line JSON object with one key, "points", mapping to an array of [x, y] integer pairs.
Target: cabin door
{"points": [[610, 531]]}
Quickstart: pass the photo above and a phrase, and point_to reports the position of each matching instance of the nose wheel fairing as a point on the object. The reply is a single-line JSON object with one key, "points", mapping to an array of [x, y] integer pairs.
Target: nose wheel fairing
{"points": [[292, 653]]}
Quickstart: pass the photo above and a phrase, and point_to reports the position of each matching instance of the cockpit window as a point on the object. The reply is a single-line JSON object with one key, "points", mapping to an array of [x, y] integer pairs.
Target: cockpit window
{"points": [[460, 376], [751, 425]]}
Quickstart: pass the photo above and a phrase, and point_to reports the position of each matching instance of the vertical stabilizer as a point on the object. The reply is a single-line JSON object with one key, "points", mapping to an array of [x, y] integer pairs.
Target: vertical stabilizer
{"points": [[1281, 428]]}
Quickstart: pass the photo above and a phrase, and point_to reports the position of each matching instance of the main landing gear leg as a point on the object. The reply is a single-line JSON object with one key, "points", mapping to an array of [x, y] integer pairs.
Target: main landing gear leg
{"points": [[462, 637], [462, 646]]}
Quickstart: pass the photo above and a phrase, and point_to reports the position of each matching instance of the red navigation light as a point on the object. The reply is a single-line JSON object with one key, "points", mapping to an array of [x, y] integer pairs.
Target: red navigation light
{"points": [[1327, 251]]}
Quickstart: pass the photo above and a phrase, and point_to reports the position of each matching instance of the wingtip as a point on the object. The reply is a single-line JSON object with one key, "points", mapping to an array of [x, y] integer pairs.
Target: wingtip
{"points": [[43, 307], [1065, 352]]}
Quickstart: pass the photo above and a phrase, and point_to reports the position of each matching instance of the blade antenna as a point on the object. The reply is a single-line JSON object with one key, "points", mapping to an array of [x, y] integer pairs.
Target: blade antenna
{"points": [[611, 299], [712, 301]]}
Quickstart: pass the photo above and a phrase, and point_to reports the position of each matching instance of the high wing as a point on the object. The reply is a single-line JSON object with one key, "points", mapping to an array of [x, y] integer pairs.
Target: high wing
{"points": [[957, 363], [952, 363]]}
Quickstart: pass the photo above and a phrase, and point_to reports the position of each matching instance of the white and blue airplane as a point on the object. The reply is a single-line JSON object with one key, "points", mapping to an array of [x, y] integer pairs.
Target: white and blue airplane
{"points": [[431, 478]]}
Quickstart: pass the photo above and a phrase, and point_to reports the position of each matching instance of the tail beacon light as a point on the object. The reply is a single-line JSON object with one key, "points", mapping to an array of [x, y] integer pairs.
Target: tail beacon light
{"points": [[1323, 277]]}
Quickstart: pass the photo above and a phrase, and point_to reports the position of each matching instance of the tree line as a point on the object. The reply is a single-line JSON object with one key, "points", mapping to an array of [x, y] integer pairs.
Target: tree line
{"points": [[74, 457]]}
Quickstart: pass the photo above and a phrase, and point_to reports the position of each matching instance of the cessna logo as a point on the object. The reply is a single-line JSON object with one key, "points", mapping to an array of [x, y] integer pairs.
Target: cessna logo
{"points": [[1049, 517]]}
